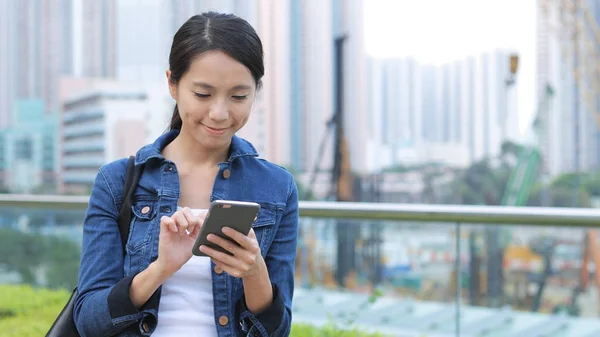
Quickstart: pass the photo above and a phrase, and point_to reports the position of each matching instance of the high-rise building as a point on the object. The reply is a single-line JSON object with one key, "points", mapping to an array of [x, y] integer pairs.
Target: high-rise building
{"points": [[99, 45], [142, 48], [315, 25], [38, 40], [395, 108], [462, 104], [37, 49], [571, 133], [8, 59]]}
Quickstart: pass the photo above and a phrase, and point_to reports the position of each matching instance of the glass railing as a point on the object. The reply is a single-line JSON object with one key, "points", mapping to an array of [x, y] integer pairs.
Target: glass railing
{"points": [[400, 270]]}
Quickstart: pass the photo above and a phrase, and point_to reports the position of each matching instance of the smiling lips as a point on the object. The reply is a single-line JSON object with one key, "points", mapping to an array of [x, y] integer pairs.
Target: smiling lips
{"points": [[214, 131]]}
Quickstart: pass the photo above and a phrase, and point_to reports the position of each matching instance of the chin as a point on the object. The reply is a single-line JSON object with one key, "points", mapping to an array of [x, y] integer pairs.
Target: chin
{"points": [[214, 143]]}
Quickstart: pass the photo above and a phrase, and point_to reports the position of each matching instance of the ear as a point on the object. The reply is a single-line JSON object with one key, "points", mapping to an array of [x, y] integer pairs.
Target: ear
{"points": [[172, 86]]}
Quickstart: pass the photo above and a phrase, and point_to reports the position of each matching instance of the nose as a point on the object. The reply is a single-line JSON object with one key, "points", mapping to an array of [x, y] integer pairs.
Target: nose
{"points": [[219, 111]]}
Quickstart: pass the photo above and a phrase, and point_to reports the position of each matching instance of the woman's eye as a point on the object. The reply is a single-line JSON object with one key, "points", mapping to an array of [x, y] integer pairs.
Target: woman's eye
{"points": [[202, 95], [240, 98]]}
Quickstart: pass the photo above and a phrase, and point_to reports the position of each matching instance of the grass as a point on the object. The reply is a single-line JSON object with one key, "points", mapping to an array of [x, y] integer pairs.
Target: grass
{"points": [[29, 312]]}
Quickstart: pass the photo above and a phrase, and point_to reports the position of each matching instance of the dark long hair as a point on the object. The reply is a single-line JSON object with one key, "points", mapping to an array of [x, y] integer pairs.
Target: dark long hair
{"points": [[214, 31]]}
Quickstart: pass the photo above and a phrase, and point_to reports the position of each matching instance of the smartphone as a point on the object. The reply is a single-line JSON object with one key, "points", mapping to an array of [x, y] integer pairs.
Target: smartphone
{"points": [[239, 215]]}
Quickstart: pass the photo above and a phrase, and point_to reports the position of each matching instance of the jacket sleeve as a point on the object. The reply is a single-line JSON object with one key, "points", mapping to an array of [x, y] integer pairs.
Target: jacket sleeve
{"points": [[275, 321], [103, 306]]}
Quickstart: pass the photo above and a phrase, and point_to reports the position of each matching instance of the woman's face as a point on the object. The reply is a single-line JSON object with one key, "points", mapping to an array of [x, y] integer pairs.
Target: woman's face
{"points": [[214, 98]]}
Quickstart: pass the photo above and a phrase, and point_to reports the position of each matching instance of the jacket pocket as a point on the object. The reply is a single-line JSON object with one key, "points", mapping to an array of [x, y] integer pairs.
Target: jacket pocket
{"points": [[143, 216], [143, 220], [264, 225]]}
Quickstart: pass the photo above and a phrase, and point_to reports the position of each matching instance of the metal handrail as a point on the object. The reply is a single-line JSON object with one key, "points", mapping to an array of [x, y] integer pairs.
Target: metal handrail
{"points": [[529, 216]]}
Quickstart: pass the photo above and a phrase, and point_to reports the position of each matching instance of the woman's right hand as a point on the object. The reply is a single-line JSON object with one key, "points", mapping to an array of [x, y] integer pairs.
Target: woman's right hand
{"points": [[178, 234]]}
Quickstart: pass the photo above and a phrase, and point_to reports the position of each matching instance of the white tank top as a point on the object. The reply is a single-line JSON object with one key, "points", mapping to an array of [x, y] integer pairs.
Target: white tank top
{"points": [[186, 301]]}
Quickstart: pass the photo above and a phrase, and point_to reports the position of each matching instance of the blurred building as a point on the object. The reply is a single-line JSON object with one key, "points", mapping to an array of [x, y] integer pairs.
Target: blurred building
{"points": [[97, 32], [8, 60], [571, 133], [143, 49], [28, 149], [37, 48], [102, 121], [314, 28], [44, 40], [454, 113], [129, 40]]}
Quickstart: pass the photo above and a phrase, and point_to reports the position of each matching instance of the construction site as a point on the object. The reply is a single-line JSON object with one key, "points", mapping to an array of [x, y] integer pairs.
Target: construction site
{"points": [[521, 281]]}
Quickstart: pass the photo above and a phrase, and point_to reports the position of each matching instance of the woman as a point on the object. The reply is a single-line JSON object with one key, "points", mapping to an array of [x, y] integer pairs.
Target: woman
{"points": [[157, 287]]}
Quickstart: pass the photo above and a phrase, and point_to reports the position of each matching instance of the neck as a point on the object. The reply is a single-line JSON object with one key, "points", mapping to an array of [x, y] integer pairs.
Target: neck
{"points": [[184, 149]]}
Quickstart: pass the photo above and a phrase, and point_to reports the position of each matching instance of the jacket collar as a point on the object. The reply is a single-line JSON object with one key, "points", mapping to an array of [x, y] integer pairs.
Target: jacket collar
{"points": [[239, 148]]}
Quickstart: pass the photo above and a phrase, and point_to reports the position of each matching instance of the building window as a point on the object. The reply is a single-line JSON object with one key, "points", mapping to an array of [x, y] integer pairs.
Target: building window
{"points": [[24, 149]]}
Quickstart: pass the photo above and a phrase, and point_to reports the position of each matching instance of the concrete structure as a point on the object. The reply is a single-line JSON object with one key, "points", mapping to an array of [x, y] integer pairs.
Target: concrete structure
{"points": [[28, 149]]}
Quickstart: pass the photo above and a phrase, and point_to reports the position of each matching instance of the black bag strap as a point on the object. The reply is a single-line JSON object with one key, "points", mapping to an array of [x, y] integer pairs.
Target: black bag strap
{"points": [[132, 177]]}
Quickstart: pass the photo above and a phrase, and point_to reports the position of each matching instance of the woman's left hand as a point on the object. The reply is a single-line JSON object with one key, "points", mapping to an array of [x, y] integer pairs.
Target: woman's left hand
{"points": [[246, 257]]}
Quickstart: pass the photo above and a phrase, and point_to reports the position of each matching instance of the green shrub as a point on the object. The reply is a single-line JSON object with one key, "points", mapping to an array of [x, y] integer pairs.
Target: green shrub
{"points": [[28, 254], [26, 311]]}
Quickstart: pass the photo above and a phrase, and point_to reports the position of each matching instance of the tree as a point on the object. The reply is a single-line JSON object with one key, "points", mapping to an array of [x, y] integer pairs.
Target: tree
{"points": [[482, 183], [485, 181], [568, 190], [302, 190]]}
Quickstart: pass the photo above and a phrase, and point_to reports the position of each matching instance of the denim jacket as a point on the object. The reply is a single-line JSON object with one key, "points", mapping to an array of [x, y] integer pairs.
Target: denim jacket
{"points": [[103, 307]]}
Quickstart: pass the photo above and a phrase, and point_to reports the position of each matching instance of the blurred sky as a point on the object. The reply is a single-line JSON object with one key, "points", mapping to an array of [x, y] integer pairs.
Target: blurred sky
{"points": [[438, 31]]}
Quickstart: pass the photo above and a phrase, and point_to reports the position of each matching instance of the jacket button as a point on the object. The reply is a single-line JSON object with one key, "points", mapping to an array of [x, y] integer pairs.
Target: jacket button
{"points": [[223, 320], [145, 210], [226, 173], [218, 270], [145, 327]]}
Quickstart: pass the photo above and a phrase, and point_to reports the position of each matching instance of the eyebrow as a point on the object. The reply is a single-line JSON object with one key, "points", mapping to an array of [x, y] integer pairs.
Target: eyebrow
{"points": [[208, 86]]}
